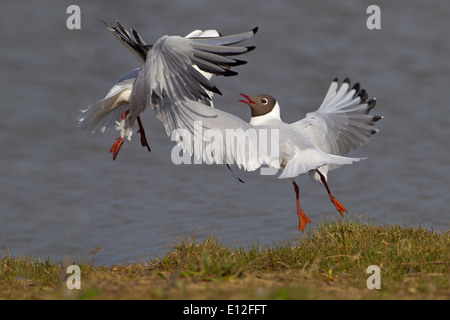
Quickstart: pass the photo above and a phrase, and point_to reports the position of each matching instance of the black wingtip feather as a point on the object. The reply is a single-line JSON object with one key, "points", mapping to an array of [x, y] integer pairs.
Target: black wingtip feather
{"points": [[215, 90], [121, 27], [363, 95], [229, 73], [371, 104], [250, 48], [137, 37], [237, 63], [376, 118]]}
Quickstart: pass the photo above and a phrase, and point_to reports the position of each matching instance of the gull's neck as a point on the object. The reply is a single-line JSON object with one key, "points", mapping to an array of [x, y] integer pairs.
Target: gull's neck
{"points": [[268, 117]]}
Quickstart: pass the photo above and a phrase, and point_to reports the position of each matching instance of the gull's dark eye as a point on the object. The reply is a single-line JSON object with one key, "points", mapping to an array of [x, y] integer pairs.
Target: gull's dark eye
{"points": [[264, 100]]}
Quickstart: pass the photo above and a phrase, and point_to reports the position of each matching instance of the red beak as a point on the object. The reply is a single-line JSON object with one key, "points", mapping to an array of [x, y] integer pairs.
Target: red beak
{"points": [[248, 101]]}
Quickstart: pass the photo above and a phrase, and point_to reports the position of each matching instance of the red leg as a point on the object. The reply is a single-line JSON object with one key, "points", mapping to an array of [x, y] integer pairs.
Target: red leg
{"points": [[303, 220], [141, 130], [337, 204], [119, 141]]}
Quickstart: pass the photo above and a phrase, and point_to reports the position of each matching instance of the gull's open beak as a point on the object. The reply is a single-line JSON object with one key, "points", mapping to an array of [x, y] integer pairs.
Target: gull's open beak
{"points": [[248, 101]]}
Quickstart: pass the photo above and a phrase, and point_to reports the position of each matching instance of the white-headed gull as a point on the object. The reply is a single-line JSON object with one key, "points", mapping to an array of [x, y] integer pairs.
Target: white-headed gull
{"points": [[174, 68], [315, 144]]}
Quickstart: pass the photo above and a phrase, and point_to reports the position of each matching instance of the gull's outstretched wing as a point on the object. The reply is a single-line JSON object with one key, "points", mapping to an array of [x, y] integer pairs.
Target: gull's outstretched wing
{"points": [[212, 135], [215, 136], [169, 72], [342, 121], [107, 111]]}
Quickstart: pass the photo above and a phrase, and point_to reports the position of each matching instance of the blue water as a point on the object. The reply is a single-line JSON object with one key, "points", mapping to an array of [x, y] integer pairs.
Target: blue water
{"points": [[61, 193]]}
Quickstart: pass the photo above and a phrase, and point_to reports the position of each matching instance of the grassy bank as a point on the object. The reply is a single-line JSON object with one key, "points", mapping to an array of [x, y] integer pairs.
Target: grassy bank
{"points": [[330, 262]]}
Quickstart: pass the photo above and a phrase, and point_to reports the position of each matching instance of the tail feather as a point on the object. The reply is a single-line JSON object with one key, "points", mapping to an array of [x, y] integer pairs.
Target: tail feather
{"points": [[312, 159]]}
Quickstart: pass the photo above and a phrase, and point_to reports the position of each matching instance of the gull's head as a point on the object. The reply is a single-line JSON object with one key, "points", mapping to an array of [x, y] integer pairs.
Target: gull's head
{"points": [[262, 105]]}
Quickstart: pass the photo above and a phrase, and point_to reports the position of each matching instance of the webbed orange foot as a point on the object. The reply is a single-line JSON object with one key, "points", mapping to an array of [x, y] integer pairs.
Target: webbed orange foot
{"points": [[303, 220], [338, 205]]}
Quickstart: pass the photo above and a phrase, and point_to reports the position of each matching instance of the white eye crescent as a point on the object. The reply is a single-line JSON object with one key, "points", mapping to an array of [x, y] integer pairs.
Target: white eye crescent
{"points": [[264, 100]]}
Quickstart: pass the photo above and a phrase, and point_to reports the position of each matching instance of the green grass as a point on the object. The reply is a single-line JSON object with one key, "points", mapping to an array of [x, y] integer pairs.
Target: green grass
{"points": [[329, 262]]}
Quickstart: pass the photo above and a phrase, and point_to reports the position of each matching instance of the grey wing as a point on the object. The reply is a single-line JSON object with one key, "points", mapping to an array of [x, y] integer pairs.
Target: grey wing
{"points": [[169, 73], [212, 135], [342, 122], [136, 45]]}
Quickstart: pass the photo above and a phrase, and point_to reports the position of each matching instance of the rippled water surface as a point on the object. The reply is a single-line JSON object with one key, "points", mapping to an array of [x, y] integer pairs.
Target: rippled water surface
{"points": [[61, 193]]}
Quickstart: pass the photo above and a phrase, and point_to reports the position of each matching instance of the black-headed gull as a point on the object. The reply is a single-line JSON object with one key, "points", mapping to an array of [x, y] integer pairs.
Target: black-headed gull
{"points": [[315, 144], [341, 123], [174, 68]]}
